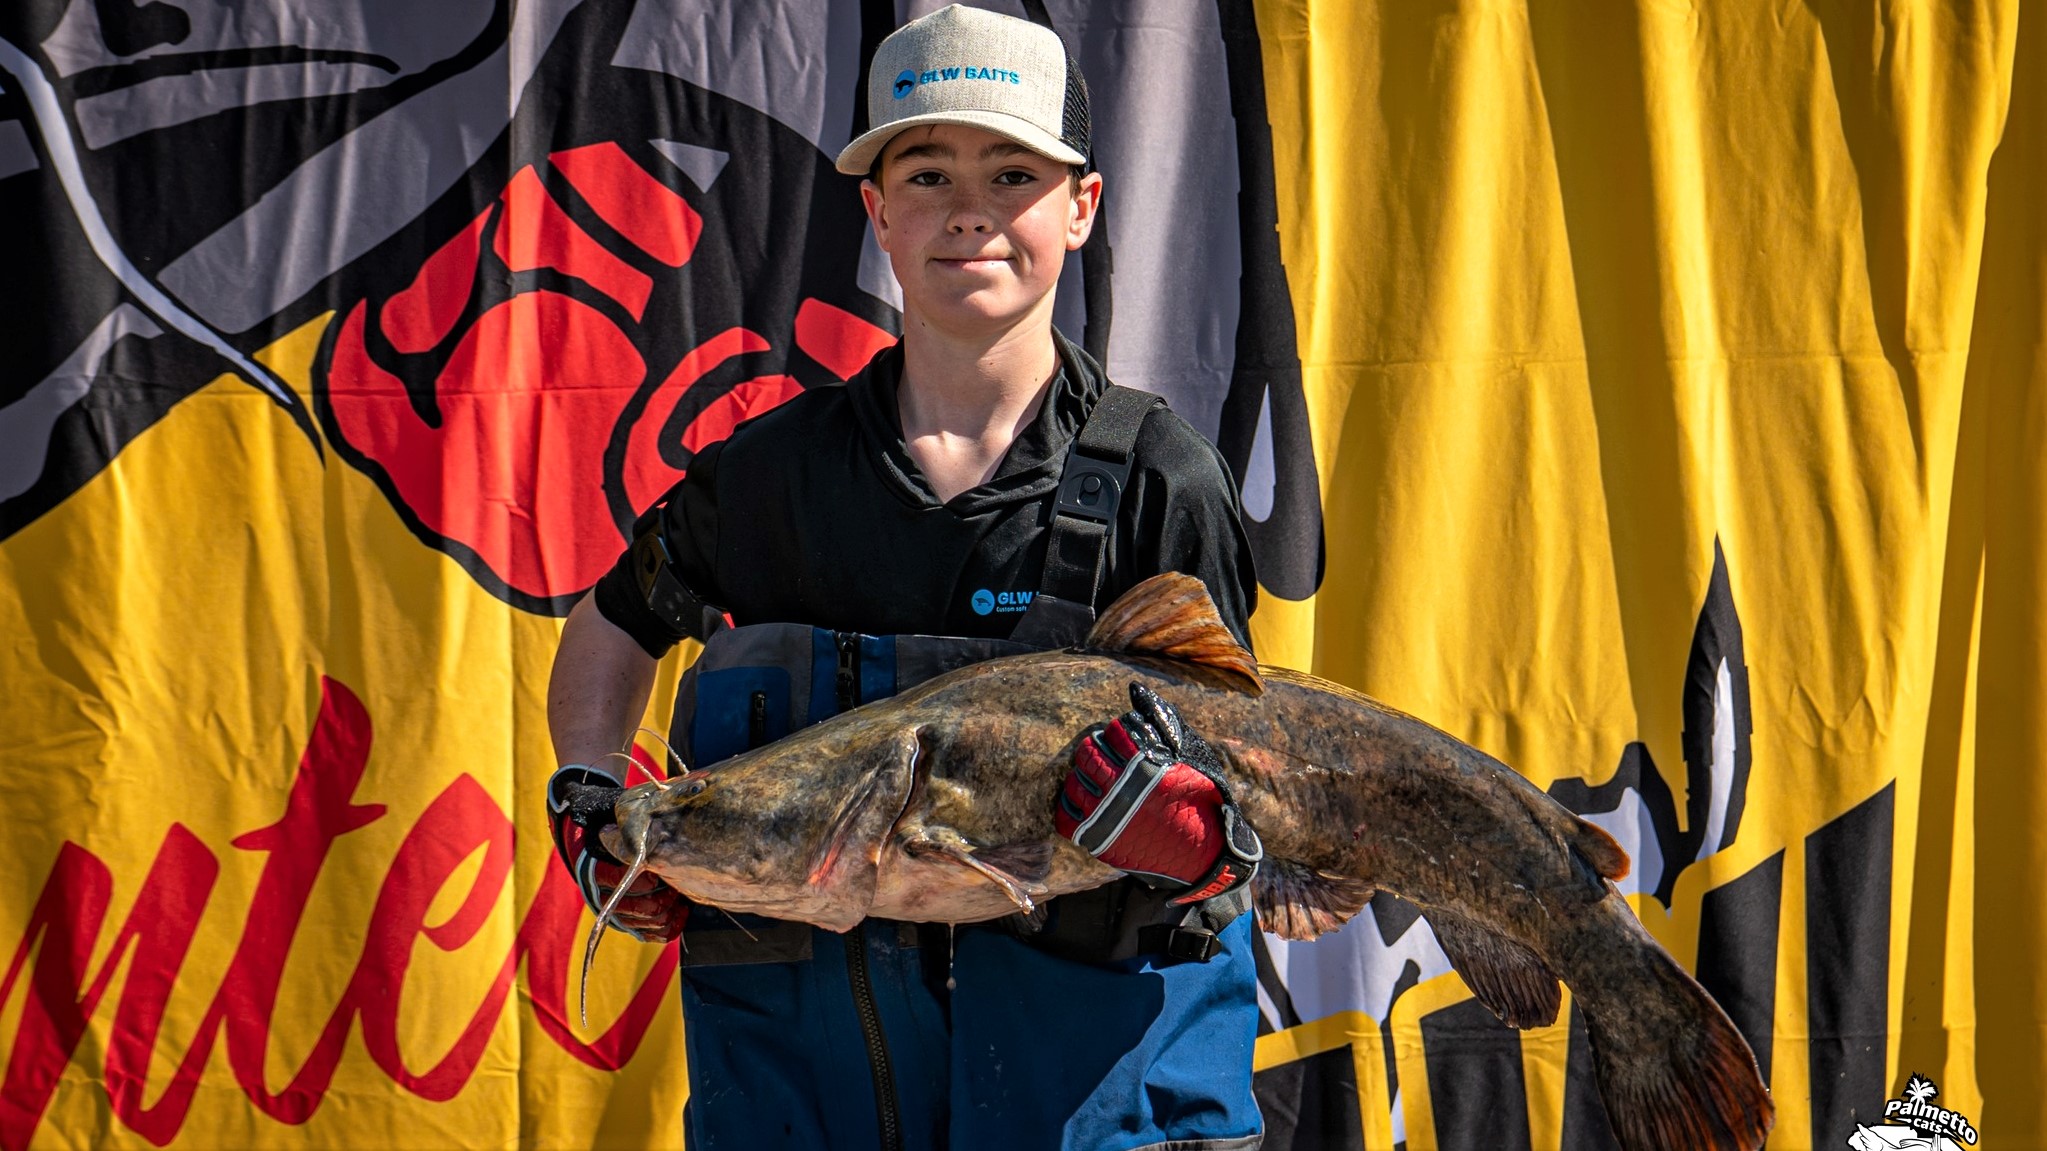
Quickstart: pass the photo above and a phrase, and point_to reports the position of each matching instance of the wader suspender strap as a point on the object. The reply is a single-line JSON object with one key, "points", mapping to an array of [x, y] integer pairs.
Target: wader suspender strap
{"points": [[1083, 518]]}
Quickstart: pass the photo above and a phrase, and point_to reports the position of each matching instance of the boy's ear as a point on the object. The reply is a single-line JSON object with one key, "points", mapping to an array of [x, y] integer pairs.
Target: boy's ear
{"points": [[877, 211], [1080, 219]]}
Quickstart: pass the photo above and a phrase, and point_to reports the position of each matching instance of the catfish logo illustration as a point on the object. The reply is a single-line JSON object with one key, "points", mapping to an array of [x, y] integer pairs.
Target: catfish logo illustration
{"points": [[1916, 1121], [541, 306], [906, 81]]}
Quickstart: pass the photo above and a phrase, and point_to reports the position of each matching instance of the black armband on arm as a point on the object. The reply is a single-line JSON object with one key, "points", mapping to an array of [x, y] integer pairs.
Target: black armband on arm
{"points": [[661, 586], [645, 595]]}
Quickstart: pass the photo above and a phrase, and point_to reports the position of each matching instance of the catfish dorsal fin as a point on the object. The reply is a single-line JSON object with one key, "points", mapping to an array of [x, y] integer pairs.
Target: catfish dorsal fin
{"points": [[1171, 615]]}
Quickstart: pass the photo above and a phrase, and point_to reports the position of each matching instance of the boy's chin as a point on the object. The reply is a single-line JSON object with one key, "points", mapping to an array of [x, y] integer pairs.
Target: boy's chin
{"points": [[981, 313]]}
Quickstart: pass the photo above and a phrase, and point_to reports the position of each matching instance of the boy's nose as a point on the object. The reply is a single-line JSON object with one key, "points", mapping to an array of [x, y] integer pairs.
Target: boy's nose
{"points": [[969, 214]]}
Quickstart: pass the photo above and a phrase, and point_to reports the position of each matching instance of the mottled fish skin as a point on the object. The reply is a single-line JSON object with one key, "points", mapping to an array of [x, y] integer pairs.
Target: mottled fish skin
{"points": [[936, 806]]}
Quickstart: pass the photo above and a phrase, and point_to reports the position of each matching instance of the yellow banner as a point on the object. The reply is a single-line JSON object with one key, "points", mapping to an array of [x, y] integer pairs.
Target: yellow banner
{"points": [[1590, 297], [287, 884]]}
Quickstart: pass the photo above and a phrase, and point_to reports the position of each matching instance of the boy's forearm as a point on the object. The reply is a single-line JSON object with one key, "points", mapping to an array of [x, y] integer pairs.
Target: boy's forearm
{"points": [[598, 689]]}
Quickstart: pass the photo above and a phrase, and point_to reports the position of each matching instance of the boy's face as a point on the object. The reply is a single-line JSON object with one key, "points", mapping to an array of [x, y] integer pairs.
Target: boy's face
{"points": [[977, 227]]}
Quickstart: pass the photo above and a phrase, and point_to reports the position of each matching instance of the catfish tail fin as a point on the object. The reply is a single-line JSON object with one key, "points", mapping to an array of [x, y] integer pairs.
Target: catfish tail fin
{"points": [[1674, 1072]]}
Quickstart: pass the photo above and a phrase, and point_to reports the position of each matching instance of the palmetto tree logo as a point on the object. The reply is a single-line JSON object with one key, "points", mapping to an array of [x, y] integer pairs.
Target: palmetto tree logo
{"points": [[1915, 1120]]}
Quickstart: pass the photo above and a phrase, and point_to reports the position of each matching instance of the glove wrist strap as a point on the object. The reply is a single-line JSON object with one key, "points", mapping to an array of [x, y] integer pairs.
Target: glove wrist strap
{"points": [[568, 790], [1234, 866], [569, 774]]}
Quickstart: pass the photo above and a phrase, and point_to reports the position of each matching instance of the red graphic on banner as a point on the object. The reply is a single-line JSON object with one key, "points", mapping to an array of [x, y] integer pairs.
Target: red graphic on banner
{"points": [[514, 468], [67, 922], [536, 233], [514, 453], [643, 209], [418, 318], [836, 338]]}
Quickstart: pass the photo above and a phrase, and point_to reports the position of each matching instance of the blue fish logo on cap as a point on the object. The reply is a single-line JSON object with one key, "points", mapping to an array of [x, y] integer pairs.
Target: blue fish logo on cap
{"points": [[905, 81]]}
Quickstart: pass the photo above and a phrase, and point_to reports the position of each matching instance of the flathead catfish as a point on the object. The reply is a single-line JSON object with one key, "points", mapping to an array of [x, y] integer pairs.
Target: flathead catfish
{"points": [[936, 806]]}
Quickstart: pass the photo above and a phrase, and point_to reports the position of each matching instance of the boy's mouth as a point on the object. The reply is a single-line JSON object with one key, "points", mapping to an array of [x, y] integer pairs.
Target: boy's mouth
{"points": [[972, 263]]}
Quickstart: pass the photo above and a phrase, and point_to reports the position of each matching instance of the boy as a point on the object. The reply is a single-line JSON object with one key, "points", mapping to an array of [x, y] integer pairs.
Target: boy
{"points": [[978, 489]]}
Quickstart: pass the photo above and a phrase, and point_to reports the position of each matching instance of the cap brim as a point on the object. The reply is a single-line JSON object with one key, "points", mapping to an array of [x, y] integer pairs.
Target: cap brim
{"points": [[858, 158]]}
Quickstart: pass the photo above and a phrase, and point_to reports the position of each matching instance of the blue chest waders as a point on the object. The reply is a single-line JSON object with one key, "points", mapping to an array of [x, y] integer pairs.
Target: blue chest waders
{"points": [[1091, 1036]]}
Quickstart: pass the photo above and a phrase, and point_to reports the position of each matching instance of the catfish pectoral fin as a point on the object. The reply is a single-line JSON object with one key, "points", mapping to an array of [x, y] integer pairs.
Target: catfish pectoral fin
{"points": [[1297, 902], [1511, 980], [1019, 869], [848, 852]]}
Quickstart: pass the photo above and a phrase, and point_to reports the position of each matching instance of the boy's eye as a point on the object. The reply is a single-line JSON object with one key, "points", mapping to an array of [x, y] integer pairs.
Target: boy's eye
{"points": [[924, 179], [1015, 178]]}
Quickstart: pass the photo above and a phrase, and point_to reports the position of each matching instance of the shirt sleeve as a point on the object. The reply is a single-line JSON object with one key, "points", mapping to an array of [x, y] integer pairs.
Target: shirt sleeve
{"points": [[687, 517], [1187, 518]]}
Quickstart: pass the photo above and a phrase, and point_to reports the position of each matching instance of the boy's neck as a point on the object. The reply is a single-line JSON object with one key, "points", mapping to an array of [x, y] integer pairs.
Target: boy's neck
{"points": [[964, 399], [976, 386]]}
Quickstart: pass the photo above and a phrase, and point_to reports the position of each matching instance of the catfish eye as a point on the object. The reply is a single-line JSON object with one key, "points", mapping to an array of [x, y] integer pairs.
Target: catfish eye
{"points": [[689, 784]]}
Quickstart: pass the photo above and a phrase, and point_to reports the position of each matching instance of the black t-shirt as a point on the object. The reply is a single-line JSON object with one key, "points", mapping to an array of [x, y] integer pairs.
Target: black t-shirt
{"points": [[814, 513]]}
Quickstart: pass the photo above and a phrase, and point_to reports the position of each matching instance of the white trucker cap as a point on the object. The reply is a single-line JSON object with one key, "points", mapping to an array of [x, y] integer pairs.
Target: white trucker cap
{"points": [[962, 65]]}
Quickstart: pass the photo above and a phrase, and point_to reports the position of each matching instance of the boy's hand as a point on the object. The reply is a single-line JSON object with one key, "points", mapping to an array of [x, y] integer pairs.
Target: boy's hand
{"points": [[579, 806], [1147, 796]]}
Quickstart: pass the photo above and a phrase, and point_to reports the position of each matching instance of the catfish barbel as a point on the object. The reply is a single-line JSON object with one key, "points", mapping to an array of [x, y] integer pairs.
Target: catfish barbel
{"points": [[935, 806]]}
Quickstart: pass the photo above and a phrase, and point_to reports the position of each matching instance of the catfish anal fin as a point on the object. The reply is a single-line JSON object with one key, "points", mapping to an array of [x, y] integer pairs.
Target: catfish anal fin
{"points": [[1297, 902], [1171, 615], [1019, 868], [1512, 981]]}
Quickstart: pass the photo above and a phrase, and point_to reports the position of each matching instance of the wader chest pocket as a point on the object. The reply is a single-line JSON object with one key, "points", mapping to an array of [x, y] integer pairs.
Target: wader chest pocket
{"points": [[738, 709]]}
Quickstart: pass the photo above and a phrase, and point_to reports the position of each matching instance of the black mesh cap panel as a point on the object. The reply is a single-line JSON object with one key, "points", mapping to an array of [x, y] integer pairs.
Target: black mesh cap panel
{"points": [[1073, 127]]}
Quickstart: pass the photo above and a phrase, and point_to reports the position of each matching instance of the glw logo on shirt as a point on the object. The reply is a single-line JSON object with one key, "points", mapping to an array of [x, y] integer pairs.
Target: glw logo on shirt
{"points": [[986, 601], [907, 81], [1924, 1124]]}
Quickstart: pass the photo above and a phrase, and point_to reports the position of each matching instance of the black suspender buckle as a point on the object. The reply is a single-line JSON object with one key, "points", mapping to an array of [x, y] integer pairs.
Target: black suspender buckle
{"points": [[1091, 484], [1091, 488], [1180, 942], [1191, 944]]}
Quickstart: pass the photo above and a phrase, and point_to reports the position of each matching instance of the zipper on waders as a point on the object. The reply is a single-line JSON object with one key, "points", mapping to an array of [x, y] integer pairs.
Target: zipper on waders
{"points": [[877, 1046], [848, 682], [847, 685], [757, 720]]}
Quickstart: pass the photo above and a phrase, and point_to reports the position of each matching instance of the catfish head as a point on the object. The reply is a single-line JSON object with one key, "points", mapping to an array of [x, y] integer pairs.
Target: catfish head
{"points": [[795, 829]]}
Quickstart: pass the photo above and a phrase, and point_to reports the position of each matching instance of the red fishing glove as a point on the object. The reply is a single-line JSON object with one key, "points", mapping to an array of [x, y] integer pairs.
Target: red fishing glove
{"points": [[1148, 796], [579, 803]]}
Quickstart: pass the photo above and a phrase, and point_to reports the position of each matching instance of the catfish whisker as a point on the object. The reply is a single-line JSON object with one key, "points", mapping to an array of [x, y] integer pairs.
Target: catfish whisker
{"points": [[629, 761], [676, 765], [639, 865]]}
